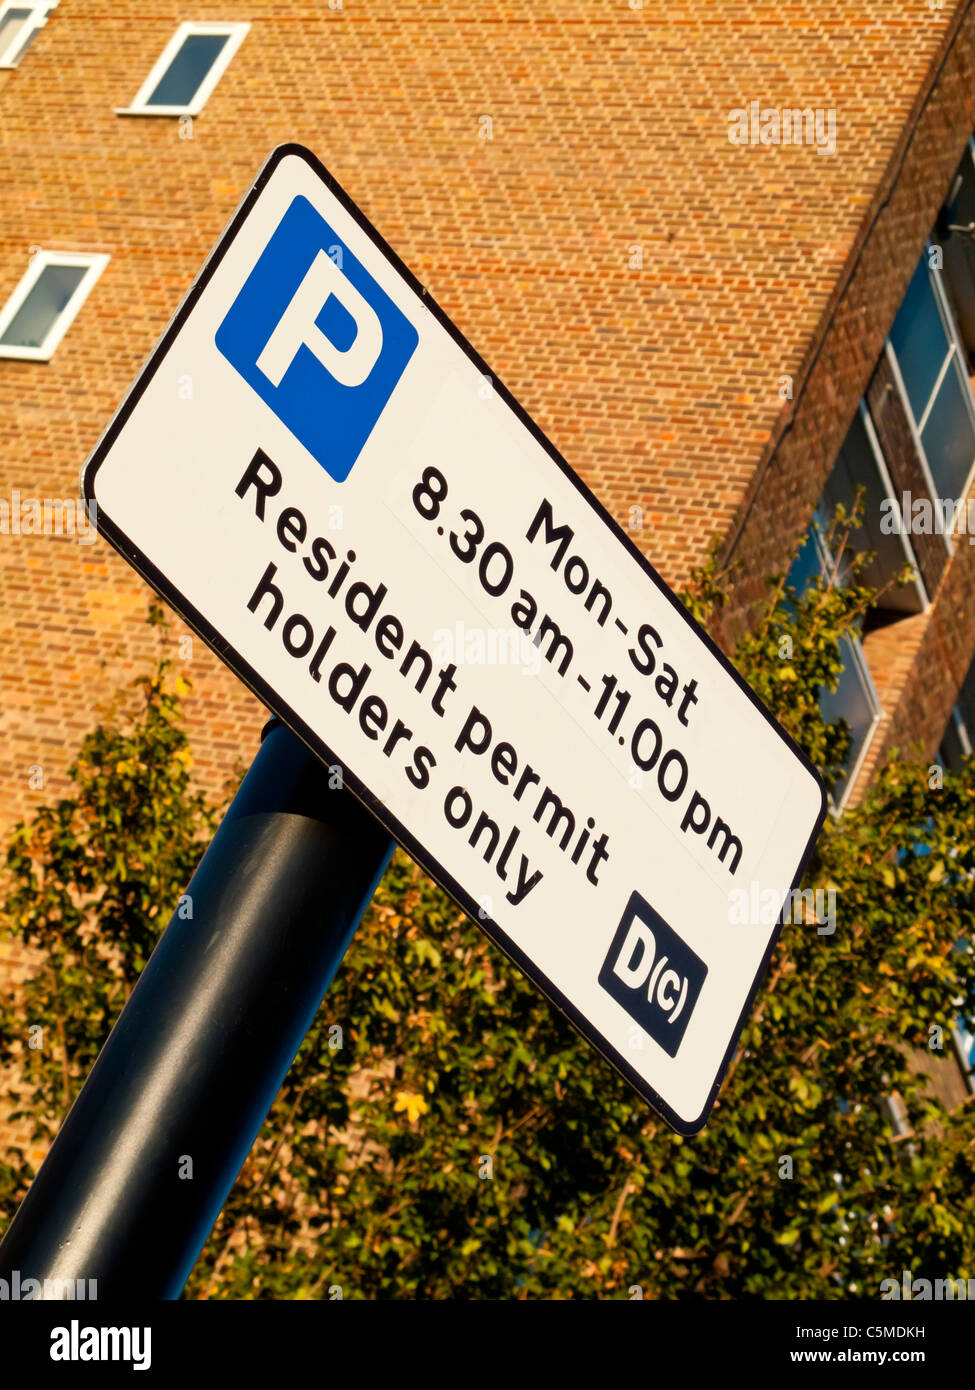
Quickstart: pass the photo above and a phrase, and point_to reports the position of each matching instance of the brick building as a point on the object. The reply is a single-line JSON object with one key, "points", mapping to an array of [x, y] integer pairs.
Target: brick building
{"points": [[708, 247]]}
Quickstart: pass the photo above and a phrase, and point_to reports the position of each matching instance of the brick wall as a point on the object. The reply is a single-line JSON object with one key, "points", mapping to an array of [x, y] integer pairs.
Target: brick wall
{"points": [[609, 132], [919, 664]]}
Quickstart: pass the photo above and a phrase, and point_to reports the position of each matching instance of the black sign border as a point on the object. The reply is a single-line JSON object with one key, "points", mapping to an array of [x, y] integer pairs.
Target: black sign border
{"points": [[105, 526]]}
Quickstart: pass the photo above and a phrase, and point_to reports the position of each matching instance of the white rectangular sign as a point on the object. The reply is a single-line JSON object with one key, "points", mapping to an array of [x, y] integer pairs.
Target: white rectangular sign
{"points": [[327, 482]]}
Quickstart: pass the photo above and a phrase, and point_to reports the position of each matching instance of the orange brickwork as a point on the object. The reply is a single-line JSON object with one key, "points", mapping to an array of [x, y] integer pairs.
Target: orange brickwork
{"points": [[609, 144]]}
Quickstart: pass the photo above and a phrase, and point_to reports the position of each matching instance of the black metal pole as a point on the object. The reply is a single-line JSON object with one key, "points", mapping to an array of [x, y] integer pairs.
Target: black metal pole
{"points": [[197, 1056]]}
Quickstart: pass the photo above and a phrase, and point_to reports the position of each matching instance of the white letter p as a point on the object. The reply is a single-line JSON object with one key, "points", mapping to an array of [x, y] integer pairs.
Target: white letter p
{"points": [[297, 328]]}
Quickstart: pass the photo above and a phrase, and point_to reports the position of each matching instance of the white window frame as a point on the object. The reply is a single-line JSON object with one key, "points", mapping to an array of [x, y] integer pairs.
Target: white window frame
{"points": [[922, 457], [906, 547], [40, 9], [235, 34], [873, 699], [862, 668], [954, 360], [94, 263]]}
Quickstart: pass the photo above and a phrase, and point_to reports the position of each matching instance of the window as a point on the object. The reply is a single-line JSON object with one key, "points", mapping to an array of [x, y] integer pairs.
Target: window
{"points": [[42, 307], [964, 1041], [934, 377], [855, 698], [956, 742], [188, 69], [860, 470], [955, 232], [19, 26]]}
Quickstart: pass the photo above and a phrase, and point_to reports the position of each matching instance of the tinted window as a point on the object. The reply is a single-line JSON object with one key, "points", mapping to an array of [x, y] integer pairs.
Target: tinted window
{"points": [[39, 312], [919, 339], [948, 436], [856, 470], [181, 81]]}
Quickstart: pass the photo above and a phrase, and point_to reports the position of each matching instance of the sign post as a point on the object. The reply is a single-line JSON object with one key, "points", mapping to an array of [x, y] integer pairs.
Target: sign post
{"points": [[138, 1172], [325, 480]]}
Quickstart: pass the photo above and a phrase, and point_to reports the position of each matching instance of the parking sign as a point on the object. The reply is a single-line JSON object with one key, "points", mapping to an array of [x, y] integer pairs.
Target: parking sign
{"points": [[326, 481], [317, 338]]}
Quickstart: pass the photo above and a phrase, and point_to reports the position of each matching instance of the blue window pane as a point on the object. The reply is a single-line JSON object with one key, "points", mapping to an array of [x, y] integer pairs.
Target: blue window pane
{"points": [[807, 565], [853, 701], [856, 472], [966, 1044], [952, 751], [44, 304], [949, 436], [181, 81], [919, 339]]}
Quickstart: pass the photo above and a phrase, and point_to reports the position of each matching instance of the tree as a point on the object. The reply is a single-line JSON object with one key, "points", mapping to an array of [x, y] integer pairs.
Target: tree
{"points": [[91, 880], [444, 1133]]}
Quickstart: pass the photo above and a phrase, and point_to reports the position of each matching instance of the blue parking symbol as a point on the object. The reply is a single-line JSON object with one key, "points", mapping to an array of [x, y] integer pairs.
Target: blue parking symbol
{"points": [[317, 339]]}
